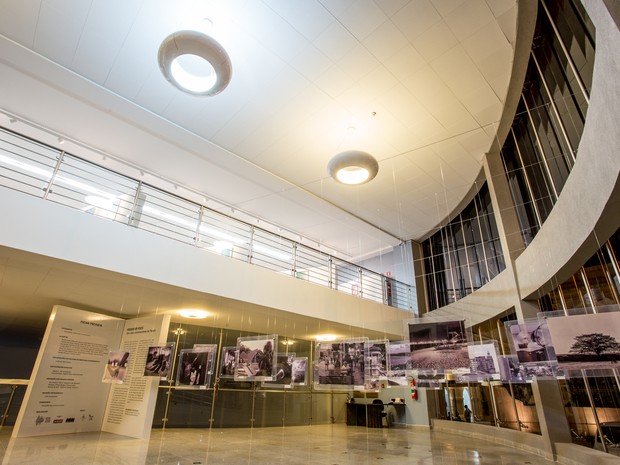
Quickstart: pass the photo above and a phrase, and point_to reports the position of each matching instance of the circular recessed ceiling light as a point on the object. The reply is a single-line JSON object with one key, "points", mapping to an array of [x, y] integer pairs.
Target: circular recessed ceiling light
{"points": [[353, 167], [195, 63]]}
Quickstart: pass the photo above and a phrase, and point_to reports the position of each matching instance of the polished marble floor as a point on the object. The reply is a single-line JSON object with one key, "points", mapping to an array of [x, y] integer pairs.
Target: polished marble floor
{"points": [[296, 445]]}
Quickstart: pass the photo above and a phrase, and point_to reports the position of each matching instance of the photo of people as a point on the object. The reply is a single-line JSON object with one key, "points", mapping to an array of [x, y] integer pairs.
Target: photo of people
{"points": [[256, 358], [228, 362], [284, 371], [439, 345], [590, 341], [196, 366], [116, 367], [340, 363], [530, 340], [158, 360], [300, 369]]}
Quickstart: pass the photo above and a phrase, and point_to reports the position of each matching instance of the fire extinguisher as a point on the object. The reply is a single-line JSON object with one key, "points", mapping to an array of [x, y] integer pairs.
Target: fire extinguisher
{"points": [[414, 390]]}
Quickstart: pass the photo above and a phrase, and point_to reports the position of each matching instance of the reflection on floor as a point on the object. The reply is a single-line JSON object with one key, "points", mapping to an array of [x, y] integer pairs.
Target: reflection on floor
{"points": [[296, 445]]}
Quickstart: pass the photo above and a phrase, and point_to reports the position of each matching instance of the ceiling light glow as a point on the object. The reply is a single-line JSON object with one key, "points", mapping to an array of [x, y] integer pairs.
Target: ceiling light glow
{"points": [[193, 73], [193, 313], [326, 337]]}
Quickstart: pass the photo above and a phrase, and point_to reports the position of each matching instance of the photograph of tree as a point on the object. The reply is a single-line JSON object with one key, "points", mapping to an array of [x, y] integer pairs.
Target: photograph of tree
{"points": [[340, 363], [586, 341], [439, 345], [256, 358]]}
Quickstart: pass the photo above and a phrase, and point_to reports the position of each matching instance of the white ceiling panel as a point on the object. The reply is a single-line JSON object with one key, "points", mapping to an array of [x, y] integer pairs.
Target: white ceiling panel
{"points": [[405, 74]]}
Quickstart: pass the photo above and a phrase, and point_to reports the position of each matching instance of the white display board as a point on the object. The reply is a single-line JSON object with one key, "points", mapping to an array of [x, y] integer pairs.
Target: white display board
{"points": [[66, 394], [132, 403]]}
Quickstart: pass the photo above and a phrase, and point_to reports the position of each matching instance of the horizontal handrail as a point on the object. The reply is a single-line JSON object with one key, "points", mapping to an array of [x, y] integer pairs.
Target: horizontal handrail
{"points": [[36, 169]]}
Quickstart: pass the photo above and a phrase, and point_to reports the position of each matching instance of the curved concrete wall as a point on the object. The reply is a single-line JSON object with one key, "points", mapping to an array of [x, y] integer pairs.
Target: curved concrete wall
{"points": [[586, 213]]}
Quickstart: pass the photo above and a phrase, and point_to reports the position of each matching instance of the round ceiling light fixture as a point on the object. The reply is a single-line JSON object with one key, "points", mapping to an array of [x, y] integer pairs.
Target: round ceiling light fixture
{"points": [[195, 63], [353, 167]]}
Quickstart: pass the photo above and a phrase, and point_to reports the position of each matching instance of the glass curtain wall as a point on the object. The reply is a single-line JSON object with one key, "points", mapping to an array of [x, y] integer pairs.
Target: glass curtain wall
{"points": [[463, 255], [542, 145], [225, 403]]}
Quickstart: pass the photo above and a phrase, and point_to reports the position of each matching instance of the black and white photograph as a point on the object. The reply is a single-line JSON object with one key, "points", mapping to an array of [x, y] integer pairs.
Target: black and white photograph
{"points": [[439, 346], [510, 369], [399, 359], [430, 380], [284, 371], [483, 360], [589, 341], [196, 366], [300, 371], [256, 358], [539, 370], [158, 361], [376, 364], [530, 340], [116, 367], [228, 362], [340, 363]]}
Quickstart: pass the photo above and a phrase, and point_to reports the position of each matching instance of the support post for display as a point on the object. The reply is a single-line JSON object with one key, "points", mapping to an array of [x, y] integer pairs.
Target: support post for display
{"points": [[8, 405], [178, 332], [596, 419]]}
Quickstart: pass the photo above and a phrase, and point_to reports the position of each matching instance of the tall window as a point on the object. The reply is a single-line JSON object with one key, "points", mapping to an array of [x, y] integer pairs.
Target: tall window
{"points": [[542, 145], [464, 255]]}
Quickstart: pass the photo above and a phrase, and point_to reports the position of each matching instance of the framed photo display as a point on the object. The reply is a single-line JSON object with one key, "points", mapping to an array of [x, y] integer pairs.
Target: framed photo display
{"points": [[116, 367], [228, 362], [256, 358], [341, 363], [196, 366], [439, 346], [300, 371], [158, 361], [284, 371]]}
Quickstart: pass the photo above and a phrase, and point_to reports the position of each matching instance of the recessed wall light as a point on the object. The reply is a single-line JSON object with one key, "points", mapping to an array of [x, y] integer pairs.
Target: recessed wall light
{"points": [[353, 167], [195, 63]]}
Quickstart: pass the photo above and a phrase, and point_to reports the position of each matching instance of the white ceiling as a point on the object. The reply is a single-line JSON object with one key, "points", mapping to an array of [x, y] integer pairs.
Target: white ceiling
{"points": [[421, 81]]}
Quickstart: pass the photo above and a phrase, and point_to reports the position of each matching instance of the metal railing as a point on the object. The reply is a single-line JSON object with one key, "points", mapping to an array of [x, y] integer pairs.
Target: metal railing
{"points": [[37, 169]]}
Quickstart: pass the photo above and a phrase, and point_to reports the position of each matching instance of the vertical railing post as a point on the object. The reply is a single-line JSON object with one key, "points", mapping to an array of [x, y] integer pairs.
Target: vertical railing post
{"points": [[134, 205], [48, 189], [251, 245], [361, 292], [197, 231], [330, 279]]}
